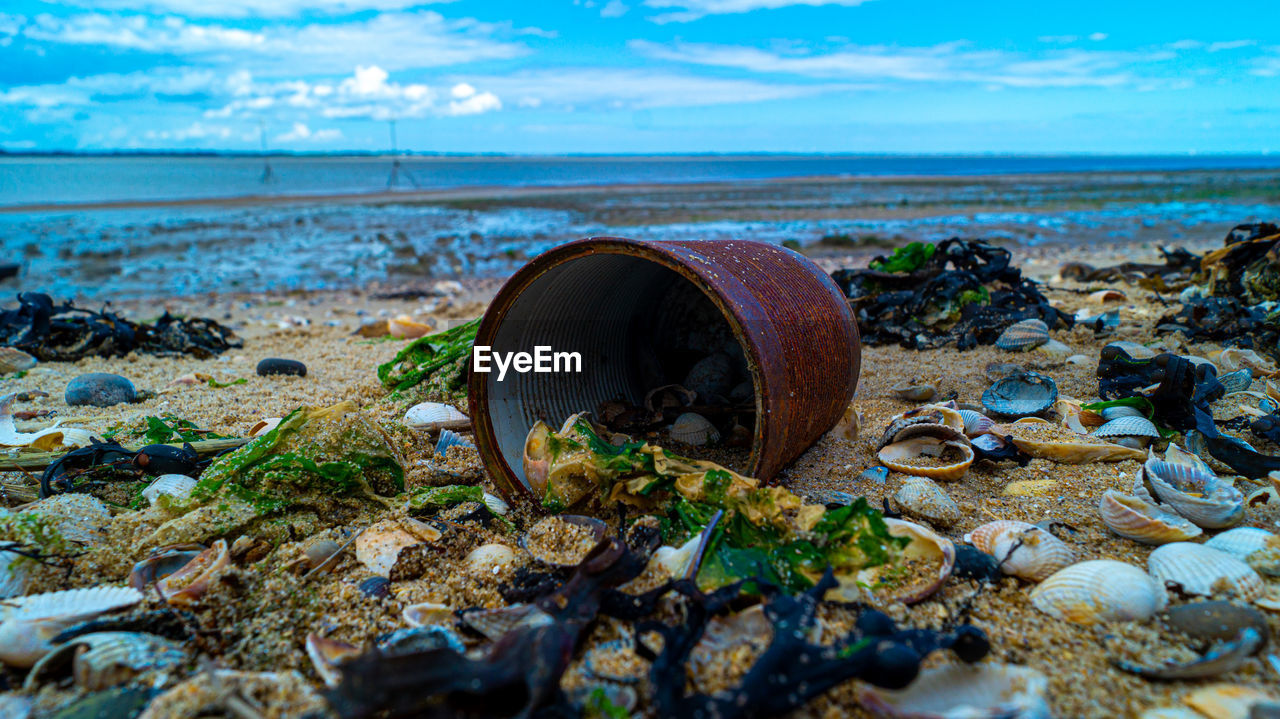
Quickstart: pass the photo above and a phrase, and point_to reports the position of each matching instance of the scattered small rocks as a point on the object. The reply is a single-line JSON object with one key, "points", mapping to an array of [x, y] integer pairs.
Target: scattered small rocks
{"points": [[99, 389], [276, 365]]}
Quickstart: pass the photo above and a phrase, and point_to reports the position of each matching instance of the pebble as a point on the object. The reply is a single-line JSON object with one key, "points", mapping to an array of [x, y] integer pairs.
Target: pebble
{"points": [[275, 365], [99, 389]]}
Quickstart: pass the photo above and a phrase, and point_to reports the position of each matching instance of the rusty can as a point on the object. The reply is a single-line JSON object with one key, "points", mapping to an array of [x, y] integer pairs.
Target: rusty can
{"points": [[609, 298]]}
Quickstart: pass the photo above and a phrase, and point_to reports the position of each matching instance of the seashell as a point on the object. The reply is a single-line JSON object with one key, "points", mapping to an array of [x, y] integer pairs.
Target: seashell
{"points": [[495, 504], [1118, 411], [1076, 452], [1020, 395], [327, 656], [1215, 620], [28, 624], [833, 497], [1100, 590], [428, 614], [264, 425], [693, 429], [15, 573], [77, 517], [375, 587], [849, 425], [99, 660], [915, 392], [926, 547], [1226, 701], [173, 486], [710, 377], [1192, 492], [1137, 519], [13, 360], [496, 623], [1133, 349], [449, 438], [1218, 659], [1099, 322], [875, 475], [185, 586], [922, 498], [321, 553], [1134, 432], [432, 416], [615, 661], [1079, 360], [490, 558], [1238, 381], [379, 546], [250, 550], [1022, 550], [954, 457], [1102, 296], [976, 423], [1197, 569], [563, 540], [941, 421], [404, 327], [1024, 335], [1053, 349], [961, 691], [161, 564], [47, 440], [1258, 548], [1234, 358]]}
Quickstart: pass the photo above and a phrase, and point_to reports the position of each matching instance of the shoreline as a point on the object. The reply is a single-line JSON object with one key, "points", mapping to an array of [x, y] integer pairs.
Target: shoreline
{"points": [[518, 192]]}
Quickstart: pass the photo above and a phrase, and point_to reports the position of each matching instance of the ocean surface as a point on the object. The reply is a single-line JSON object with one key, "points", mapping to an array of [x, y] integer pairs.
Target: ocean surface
{"points": [[307, 243]]}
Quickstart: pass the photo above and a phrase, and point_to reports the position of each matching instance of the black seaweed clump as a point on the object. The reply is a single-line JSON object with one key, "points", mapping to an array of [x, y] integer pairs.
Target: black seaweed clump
{"points": [[66, 333], [924, 296]]}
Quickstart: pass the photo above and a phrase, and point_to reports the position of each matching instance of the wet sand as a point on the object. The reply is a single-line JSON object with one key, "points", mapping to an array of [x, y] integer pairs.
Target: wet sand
{"points": [[260, 620]]}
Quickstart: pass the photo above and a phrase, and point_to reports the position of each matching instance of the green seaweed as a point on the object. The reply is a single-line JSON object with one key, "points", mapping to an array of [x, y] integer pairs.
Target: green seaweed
{"points": [[34, 533], [436, 498], [598, 706], [905, 259], [219, 385], [1141, 404], [440, 359]]}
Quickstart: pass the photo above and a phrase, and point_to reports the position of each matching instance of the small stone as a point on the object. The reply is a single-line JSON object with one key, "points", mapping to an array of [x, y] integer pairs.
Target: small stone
{"points": [[99, 389], [275, 365], [15, 360]]}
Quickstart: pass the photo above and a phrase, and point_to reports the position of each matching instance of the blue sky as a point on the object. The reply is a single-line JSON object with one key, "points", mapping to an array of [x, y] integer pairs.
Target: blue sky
{"points": [[551, 76]]}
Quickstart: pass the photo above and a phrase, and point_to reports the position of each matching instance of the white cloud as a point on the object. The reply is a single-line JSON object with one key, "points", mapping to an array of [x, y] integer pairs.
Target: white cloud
{"points": [[1230, 45], [390, 40], [950, 62], [1098, 36], [1267, 66], [625, 88], [689, 10], [253, 8], [195, 131], [300, 132], [614, 8]]}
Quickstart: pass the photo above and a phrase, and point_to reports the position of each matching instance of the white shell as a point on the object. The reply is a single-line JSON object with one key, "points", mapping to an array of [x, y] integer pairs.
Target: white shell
{"points": [[1198, 569], [27, 624], [48, 439], [976, 423], [379, 546], [265, 425], [1258, 548], [1142, 521], [1192, 492], [675, 561], [1023, 550], [431, 416], [694, 429], [77, 517], [1100, 590], [490, 558], [1024, 335], [1128, 426], [959, 691], [428, 613], [173, 486], [1133, 349], [1110, 413], [922, 498]]}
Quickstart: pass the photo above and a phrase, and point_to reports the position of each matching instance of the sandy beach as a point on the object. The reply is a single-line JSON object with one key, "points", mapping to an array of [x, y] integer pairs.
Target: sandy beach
{"points": [[258, 615]]}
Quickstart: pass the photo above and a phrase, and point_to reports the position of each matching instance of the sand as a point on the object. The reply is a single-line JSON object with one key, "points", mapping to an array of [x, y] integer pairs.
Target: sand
{"points": [[258, 615]]}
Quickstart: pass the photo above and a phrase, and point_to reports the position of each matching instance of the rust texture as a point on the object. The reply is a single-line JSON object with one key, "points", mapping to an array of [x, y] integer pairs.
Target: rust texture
{"points": [[798, 333]]}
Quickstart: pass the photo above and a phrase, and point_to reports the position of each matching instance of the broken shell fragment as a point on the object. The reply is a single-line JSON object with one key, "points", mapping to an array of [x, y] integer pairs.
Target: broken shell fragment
{"points": [[28, 624], [327, 656], [1099, 590], [1022, 550], [1024, 335], [922, 498], [1219, 659], [185, 586], [1238, 381], [1020, 395], [1234, 358], [850, 424], [404, 327], [264, 425], [1142, 521], [432, 416], [1102, 296], [99, 660], [1067, 452], [173, 486], [1193, 492], [428, 613], [379, 546], [928, 456], [927, 548], [1197, 569], [915, 392], [959, 691], [693, 429]]}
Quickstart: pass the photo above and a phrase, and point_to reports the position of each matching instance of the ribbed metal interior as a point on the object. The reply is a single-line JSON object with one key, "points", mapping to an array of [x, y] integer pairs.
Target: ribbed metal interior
{"points": [[600, 306]]}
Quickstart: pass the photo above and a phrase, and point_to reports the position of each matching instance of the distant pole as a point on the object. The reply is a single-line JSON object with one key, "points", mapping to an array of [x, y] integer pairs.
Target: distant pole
{"points": [[268, 175], [396, 169]]}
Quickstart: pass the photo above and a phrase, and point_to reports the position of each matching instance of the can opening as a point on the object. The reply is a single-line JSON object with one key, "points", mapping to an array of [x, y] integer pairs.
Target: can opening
{"points": [[637, 325]]}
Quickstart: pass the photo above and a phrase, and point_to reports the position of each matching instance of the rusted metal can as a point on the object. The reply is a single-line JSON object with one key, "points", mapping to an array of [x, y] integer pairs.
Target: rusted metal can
{"points": [[603, 298]]}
